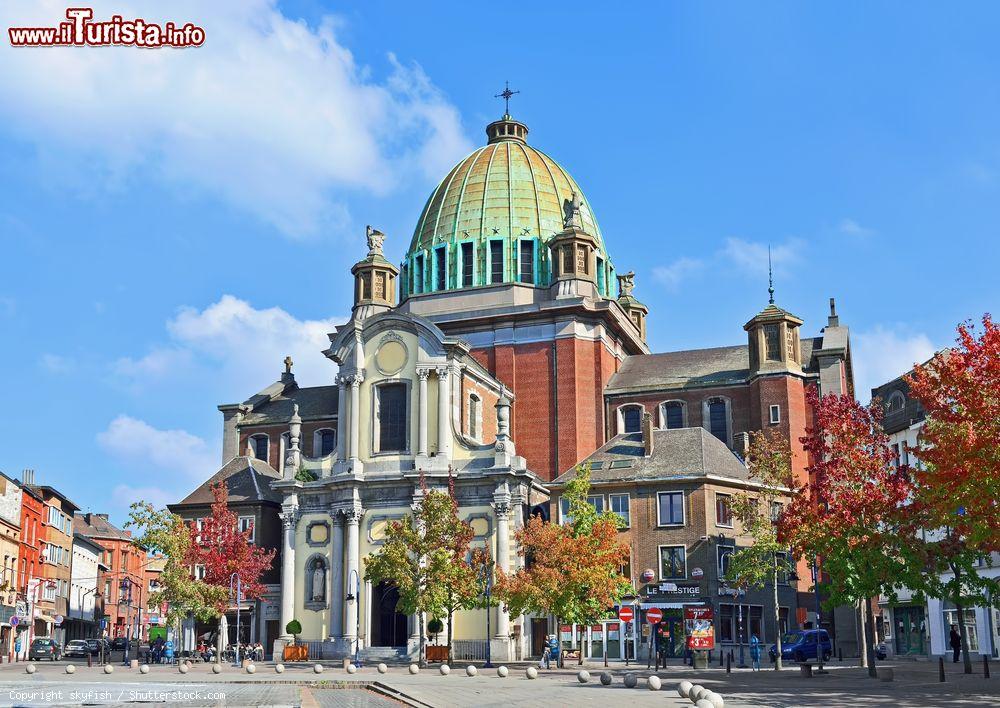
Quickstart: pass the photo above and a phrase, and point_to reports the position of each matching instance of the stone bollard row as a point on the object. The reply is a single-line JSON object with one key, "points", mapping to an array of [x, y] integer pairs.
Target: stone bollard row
{"points": [[699, 695]]}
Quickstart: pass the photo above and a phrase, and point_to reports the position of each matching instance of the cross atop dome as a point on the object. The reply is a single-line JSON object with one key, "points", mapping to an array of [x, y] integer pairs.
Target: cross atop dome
{"points": [[505, 95]]}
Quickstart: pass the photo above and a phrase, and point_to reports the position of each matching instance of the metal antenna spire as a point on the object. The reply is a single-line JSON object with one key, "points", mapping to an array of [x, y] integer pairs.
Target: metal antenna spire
{"points": [[770, 277], [505, 95]]}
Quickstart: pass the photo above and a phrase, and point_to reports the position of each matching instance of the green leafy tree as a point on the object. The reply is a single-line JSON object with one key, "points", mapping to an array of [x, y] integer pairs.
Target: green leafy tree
{"points": [[163, 533], [419, 558], [573, 570], [769, 467]]}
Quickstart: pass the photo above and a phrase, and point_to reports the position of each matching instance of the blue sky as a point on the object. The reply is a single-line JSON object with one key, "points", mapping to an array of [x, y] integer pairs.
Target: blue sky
{"points": [[174, 222]]}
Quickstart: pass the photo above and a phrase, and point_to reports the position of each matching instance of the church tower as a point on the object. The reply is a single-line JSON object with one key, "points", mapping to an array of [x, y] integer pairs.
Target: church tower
{"points": [[374, 279]]}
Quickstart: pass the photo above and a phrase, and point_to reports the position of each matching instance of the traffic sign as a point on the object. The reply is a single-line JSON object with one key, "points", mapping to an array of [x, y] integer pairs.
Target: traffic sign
{"points": [[14, 620], [58, 620], [625, 614], [654, 614], [697, 572]]}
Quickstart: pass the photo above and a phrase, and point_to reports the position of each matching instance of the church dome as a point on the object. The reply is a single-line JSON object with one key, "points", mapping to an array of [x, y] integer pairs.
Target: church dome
{"points": [[505, 197]]}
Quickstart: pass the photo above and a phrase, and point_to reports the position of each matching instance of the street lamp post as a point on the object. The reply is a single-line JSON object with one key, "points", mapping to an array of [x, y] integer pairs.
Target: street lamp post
{"points": [[487, 580], [355, 597], [126, 596], [234, 580], [739, 606]]}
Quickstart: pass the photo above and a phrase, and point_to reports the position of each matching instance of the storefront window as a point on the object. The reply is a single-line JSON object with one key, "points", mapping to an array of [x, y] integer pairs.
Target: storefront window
{"points": [[951, 618], [725, 627]]}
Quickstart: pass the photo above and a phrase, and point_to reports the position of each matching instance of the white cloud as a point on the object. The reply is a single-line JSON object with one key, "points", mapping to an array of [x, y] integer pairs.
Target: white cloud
{"points": [[751, 256], [56, 364], [271, 115], [672, 275], [850, 227], [123, 496], [150, 450], [242, 345], [881, 353]]}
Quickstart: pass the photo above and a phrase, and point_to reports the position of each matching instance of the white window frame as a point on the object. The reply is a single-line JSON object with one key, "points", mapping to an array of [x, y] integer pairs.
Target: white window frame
{"points": [[723, 550], [706, 417], [774, 414], [659, 560], [253, 446], [718, 522], [661, 409], [620, 415], [659, 521], [628, 515], [597, 496], [563, 518], [252, 525], [199, 572], [317, 448]]}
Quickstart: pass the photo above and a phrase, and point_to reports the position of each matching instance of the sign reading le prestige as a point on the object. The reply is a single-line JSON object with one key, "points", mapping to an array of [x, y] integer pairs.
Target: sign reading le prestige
{"points": [[673, 590]]}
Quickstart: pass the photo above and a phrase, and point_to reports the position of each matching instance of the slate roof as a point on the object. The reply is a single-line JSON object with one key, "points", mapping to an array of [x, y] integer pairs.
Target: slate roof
{"points": [[97, 526], [247, 480], [678, 453], [718, 366], [315, 403]]}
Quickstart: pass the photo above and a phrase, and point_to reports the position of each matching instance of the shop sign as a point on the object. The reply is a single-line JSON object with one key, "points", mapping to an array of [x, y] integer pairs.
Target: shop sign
{"points": [[726, 591], [697, 572], [674, 590], [699, 628]]}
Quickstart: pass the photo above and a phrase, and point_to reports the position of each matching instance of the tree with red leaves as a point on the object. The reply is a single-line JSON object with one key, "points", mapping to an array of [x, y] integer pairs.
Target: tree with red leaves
{"points": [[956, 500], [222, 549], [849, 514]]}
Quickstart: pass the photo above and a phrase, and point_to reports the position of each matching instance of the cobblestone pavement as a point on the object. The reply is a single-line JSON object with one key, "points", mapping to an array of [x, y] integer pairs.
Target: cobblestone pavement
{"points": [[916, 684]]}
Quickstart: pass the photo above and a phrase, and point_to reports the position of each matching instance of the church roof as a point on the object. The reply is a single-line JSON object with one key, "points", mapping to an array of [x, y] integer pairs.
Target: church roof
{"points": [[315, 403], [693, 368], [678, 453], [247, 480], [506, 190]]}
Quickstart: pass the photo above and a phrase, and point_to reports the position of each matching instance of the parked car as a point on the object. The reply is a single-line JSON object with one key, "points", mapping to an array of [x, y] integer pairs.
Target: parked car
{"points": [[77, 647], [881, 652], [803, 645], [118, 644], [99, 645], [44, 648]]}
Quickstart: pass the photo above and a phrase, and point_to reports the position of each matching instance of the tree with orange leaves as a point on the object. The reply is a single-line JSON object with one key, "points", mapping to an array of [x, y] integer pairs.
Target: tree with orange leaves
{"points": [[572, 570], [956, 500]]}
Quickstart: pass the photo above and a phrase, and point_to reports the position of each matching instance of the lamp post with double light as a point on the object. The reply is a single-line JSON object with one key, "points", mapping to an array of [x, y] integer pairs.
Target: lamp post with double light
{"points": [[236, 593]]}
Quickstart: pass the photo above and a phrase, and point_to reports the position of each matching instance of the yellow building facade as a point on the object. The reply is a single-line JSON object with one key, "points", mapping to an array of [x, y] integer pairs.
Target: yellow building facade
{"points": [[413, 404]]}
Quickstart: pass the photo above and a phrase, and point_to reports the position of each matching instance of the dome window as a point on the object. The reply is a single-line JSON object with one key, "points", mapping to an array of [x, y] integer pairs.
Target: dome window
{"points": [[441, 268], [496, 261], [526, 262], [468, 254]]}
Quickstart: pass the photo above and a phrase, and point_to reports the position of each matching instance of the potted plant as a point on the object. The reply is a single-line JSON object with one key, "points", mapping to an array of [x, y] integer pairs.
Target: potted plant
{"points": [[295, 651], [434, 628], [435, 652], [294, 628]]}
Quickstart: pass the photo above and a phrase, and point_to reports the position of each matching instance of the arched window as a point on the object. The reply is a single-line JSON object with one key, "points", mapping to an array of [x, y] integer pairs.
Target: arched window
{"points": [[324, 442], [315, 583], [475, 416], [390, 415], [718, 419], [895, 403], [672, 415], [630, 419], [284, 443], [260, 444]]}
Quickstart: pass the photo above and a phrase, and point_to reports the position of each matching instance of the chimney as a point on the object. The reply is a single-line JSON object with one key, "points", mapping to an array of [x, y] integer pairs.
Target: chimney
{"points": [[833, 320], [647, 434], [28, 477], [741, 443]]}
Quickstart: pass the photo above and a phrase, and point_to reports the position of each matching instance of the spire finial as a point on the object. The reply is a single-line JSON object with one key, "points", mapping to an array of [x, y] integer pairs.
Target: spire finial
{"points": [[505, 95], [770, 277]]}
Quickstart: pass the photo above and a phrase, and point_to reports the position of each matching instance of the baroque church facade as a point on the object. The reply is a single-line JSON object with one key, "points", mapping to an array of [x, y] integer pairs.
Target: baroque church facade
{"points": [[504, 349]]}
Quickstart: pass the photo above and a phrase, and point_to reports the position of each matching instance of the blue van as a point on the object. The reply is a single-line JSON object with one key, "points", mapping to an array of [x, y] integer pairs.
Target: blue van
{"points": [[803, 645]]}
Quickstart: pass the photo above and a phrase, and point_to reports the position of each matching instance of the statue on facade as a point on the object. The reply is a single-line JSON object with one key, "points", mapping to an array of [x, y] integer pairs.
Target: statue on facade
{"points": [[571, 211], [375, 240], [318, 580], [626, 283]]}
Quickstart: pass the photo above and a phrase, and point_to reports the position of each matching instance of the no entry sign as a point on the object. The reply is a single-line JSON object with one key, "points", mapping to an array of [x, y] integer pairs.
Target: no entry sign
{"points": [[625, 614], [654, 614]]}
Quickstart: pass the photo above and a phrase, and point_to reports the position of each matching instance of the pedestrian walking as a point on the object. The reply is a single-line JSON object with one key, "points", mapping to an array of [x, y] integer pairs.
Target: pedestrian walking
{"points": [[956, 643], [754, 653]]}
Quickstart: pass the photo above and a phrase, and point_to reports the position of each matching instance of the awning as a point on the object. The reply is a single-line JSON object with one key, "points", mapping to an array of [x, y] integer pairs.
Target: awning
{"points": [[45, 618]]}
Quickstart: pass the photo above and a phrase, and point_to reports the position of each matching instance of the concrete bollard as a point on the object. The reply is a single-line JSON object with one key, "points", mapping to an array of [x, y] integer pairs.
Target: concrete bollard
{"points": [[108, 668], [606, 678], [941, 669], [183, 668], [30, 669], [715, 699], [729, 662], [583, 676], [502, 671], [884, 673], [279, 668], [216, 668], [317, 668], [445, 669], [382, 668], [414, 669], [653, 683], [144, 669], [251, 668], [471, 670], [70, 669], [683, 688], [631, 680], [702, 703], [352, 669], [840, 654], [986, 667], [721, 658], [531, 672]]}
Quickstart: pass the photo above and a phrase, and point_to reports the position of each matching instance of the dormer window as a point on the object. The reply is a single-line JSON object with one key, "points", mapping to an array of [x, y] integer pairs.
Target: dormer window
{"points": [[895, 402], [260, 445], [630, 419]]}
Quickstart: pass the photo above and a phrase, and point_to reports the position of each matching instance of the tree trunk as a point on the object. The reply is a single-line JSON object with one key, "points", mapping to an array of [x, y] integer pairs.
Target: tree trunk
{"points": [[777, 620], [864, 634], [870, 644], [963, 631]]}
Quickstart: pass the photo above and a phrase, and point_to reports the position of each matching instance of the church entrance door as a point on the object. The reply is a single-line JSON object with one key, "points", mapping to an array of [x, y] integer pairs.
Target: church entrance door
{"points": [[388, 626]]}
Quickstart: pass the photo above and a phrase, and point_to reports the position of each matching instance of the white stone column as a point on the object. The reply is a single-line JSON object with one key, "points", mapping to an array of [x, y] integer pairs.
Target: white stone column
{"points": [[342, 417], [502, 510], [337, 576], [355, 381], [289, 520], [444, 412], [353, 573], [422, 375]]}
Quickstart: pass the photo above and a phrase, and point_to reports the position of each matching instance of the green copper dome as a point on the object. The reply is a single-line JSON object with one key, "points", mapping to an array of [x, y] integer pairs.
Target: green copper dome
{"points": [[489, 218]]}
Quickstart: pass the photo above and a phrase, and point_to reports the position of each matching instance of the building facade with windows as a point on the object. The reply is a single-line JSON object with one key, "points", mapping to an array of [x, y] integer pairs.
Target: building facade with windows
{"points": [[10, 549], [673, 489], [82, 620], [120, 576], [257, 508]]}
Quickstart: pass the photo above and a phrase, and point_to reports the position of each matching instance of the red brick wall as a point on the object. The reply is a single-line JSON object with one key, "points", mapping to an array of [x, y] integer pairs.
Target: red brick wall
{"points": [[274, 432], [29, 558]]}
